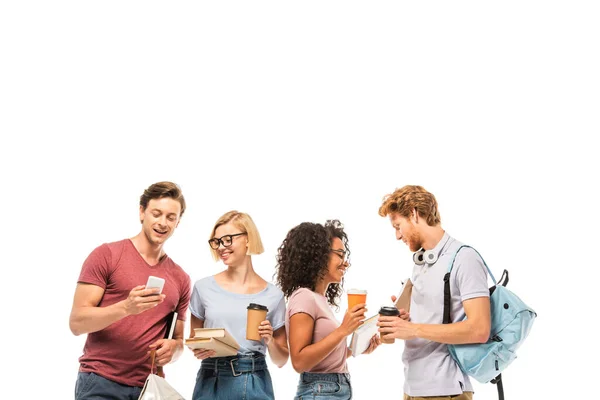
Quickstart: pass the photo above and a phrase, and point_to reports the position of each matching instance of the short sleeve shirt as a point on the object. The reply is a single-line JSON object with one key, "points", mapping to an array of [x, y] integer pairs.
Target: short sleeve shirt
{"points": [[429, 369], [119, 352], [315, 305], [219, 308]]}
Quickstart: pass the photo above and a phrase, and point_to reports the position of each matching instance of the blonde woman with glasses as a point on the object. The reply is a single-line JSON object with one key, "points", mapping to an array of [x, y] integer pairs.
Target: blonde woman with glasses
{"points": [[221, 301]]}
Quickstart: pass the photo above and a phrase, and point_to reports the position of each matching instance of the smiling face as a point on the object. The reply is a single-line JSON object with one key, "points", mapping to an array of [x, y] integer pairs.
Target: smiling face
{"points": [[337, 264], [406, 231], [159, 219], [236, 252]]}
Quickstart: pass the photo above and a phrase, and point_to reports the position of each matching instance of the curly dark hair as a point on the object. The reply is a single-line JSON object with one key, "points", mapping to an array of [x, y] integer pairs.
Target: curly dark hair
{"points": [[303, 257]]}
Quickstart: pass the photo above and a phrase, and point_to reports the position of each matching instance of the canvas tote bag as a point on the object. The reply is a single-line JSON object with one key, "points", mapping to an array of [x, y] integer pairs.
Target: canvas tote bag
{"points": [[157, 388]]}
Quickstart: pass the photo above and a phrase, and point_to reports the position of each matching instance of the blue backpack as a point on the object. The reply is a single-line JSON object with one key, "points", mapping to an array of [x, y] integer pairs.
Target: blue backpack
{"points": [[511, 322]]}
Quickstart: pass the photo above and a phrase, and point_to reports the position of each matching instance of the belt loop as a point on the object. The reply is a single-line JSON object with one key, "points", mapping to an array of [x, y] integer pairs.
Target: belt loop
{"points": [[252, 364], [233, 369]]}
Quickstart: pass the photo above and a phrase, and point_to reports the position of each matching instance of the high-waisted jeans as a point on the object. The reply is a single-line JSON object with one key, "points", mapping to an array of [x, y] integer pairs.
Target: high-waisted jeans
{"points": [[243, 377]]}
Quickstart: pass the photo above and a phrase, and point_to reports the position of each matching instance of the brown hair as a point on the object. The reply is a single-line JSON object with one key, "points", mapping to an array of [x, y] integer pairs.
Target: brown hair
{"points": [[412, 197], [246, 225], [163, 189]]}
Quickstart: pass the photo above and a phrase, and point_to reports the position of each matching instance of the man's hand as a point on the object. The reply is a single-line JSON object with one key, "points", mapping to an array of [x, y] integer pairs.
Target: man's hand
{"points": [[140, 300], [403, 313], [166, 349], [396, 328]]}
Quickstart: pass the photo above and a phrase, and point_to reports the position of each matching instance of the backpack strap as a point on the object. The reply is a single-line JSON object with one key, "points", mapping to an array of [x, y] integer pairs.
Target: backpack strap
{"points": [[503, 281], [498, 382], [447, 296]]}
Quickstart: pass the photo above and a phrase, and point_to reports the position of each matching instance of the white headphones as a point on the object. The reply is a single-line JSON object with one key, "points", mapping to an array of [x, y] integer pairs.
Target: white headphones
{"points": [[425, 257], [428, 257]]}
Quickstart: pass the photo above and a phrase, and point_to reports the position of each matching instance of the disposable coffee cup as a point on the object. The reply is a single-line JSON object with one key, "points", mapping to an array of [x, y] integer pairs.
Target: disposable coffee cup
{"points": [[356, 296], [388, 312], [257, 313]]}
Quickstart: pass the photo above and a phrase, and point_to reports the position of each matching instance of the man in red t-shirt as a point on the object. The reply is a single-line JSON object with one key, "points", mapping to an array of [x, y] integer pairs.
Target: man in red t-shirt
{"points": [[124, 320]]}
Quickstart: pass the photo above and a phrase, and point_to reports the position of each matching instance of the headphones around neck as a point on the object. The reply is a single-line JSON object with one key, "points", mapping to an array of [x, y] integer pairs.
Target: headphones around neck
{"points": [[422, 257], [428, 257]]}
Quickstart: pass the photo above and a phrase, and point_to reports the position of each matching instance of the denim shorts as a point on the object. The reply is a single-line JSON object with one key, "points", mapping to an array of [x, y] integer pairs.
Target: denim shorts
{"points": [[324, 386], [241, 377]]}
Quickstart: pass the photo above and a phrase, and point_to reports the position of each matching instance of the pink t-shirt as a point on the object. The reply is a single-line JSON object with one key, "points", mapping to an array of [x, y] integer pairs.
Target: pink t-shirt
{"points": [[306, 301], [119, 351]]}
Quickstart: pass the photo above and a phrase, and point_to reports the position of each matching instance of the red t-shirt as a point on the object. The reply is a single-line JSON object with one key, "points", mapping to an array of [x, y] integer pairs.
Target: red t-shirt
{"points": [[119, 351]]}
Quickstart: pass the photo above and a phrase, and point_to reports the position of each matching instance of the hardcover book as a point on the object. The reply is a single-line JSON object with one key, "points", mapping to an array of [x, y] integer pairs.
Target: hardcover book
{"points": [[217, 339]]}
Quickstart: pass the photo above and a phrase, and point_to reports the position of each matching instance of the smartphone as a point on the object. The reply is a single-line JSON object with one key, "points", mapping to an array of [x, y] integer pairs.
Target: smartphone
{"points": [[155, 282]]}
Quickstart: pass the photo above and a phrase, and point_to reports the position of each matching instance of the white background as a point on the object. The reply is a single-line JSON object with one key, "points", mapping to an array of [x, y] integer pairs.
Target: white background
{"points": [[302, 111]]}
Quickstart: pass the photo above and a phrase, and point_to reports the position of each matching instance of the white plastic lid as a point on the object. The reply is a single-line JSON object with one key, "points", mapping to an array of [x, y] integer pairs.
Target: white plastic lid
{"points": [[356, 291]]}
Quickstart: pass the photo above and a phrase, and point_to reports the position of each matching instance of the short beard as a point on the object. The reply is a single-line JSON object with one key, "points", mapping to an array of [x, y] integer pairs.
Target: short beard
{"points": [[414, 242]]}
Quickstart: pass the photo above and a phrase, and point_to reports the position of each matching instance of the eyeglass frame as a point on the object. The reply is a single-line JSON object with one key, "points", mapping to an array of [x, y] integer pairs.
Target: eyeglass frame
{"points": [[219, 241], [343, 256]]}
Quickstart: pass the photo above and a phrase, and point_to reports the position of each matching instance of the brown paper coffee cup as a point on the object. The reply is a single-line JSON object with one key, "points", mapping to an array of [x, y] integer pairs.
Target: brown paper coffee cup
{"points": [[257, 313]]}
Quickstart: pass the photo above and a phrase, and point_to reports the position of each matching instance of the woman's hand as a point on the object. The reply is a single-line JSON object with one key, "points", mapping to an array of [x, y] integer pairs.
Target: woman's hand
{"points": [[352, 319], [374, 343], [265, 330], [201, 354]]}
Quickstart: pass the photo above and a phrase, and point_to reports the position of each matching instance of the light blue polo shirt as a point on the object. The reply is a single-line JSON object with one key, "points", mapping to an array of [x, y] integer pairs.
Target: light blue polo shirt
{"points": [[219, 308], [429, 369]]}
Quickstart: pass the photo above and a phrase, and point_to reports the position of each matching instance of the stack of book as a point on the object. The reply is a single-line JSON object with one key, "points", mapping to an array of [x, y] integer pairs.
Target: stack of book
{"points": [[217, 339]]}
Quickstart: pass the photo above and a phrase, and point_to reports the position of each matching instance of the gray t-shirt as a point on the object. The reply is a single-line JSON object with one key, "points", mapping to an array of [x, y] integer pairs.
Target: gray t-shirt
{"points": [[429, 369], [219, 308]]}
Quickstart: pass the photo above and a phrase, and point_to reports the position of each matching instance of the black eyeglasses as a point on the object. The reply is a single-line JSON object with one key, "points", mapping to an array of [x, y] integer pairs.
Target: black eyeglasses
{"points": [[342, 254], [225, 240]]}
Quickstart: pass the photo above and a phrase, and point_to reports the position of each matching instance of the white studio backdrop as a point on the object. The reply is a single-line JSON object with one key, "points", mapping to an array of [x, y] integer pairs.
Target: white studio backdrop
{"points": [[299, 112]]}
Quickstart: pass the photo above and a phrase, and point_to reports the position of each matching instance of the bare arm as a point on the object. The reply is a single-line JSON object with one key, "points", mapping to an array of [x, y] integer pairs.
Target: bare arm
{"points": [[200, 354], [169, 350], [305, 354], [195, 323], [474, 329], [278, 347], [87, 317], [178, 337]]}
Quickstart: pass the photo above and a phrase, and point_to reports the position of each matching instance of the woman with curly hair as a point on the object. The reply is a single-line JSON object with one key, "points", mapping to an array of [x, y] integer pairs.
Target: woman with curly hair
{"points": [[311, 263]]}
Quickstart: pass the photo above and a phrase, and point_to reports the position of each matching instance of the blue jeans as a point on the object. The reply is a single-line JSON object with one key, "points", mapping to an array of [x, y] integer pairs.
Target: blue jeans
{"points": [[243, 377], [91, 386], [324, 386]]}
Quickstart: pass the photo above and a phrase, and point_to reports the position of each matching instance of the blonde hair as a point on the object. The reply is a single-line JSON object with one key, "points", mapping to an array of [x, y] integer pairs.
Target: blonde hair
{"points": [[246, 225], [412, 197]]}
